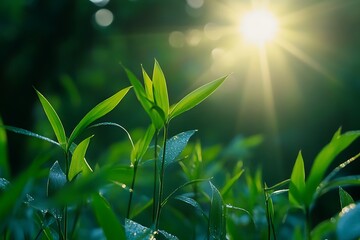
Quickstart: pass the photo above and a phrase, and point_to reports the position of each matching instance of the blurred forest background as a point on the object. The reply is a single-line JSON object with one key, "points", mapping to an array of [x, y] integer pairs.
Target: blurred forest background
{"points": [[71, 52]]}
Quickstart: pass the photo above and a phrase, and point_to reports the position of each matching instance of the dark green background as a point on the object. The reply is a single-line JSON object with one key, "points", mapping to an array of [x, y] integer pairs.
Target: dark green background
{"points": [[57, 47]]}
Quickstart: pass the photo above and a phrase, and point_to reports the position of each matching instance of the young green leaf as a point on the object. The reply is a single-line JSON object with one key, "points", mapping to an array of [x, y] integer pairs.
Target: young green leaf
{"points": [[54, 120], [195, 97], [352, 180], [97, 112], [230, 183], [175, 145], [297, 182], [322, 161], [142, 145], [135, 231], [146, 103], [217, 226], [160, 89], [56, 180], [4, 164], [107, 219], [78, 162], [148, 85], [345, 198]]}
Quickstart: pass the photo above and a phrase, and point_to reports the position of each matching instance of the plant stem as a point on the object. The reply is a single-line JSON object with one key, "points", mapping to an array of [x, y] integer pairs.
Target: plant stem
{"points": [[155, 178], [161, 182], [132, 190], [308, 224], [67, 167]]}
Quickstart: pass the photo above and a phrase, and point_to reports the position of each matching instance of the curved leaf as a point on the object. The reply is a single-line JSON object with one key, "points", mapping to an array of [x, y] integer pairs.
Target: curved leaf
{"points": [[29, 134], [148, 85], [230, 183], [4, 164], [217, 225], [56, 180], [54, 120], [78, 162], [195, 97], [107, 219], [142, 145], [175, 145], [146, 103], [297, 182], [345, 198], [160, 89], [323, 160], [97, 112]]}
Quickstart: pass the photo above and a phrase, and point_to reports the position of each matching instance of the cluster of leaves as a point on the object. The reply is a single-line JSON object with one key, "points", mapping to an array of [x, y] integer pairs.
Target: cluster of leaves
{"points": [[196, 192]]}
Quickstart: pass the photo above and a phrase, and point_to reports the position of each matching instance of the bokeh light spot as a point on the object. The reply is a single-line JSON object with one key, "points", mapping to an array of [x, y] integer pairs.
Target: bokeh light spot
{"points": [[195, 3], [104, 17], [176, 39], [212, 31], [193, 37]]}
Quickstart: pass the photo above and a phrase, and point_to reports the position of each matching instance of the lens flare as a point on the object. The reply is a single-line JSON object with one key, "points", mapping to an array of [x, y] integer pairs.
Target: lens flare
{"points": [[259, 26]]}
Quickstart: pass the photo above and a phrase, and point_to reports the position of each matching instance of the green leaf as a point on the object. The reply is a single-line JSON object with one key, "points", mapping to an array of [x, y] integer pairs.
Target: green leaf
{"points": [[142, 145], [107, 219], [4, 162], [145, 102], [78, 162], [175, 145], [135, 231], [217, 226], [160, 89], [324, 230], [190, 202], [56, 180], [345, 198], [348, 227], [148, 85], [54, 120], [30, 134], [297, 182], [323, 160], [353, 180], [97, 112], [195, 97], [230, 183]]}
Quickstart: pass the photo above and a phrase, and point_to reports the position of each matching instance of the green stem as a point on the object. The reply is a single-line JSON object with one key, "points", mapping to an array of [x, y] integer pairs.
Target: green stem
{"points": [[67, 167], [132, 190], [154, 210], [308, 224], [161, 182]]}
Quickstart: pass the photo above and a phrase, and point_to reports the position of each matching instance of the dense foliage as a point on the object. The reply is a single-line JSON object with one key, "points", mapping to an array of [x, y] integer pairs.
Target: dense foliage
{"points": [[153, 186]]}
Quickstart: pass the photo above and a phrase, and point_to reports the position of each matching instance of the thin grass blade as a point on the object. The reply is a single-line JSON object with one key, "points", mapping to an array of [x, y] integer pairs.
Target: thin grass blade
{"points": [[97, 112], [323, 160], [54, 120], [78, 162], [297, 182], [4, 161], [217, 228], [148, 85], [29, 134], [230, 183], [145, 102], [142, 145], [195, 97], [160, 89], [112, 227]]}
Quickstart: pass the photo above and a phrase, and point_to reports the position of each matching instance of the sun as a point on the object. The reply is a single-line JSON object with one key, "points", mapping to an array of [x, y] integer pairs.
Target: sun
{"points": [[259, 26]]}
